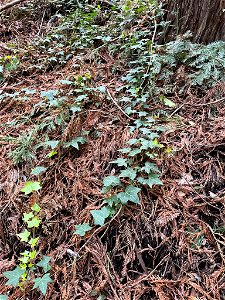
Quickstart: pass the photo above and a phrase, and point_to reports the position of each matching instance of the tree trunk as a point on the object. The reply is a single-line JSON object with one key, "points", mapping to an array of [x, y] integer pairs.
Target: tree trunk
{"points": [[204, 18]]}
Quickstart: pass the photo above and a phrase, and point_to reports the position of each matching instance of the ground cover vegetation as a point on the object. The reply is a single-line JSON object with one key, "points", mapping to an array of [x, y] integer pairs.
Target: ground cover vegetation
{"points": [[112, 161]]}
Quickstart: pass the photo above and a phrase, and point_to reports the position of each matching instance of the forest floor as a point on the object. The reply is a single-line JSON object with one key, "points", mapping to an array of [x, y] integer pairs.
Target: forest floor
{"points": [[171, 246]]}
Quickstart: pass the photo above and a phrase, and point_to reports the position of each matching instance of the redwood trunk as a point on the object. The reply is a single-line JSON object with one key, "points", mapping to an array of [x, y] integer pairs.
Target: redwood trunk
{"points": [[204, 18]]}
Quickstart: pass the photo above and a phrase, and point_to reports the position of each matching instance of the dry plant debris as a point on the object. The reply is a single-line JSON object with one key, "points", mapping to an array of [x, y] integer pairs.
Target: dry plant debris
{"points": [[170, 247]]}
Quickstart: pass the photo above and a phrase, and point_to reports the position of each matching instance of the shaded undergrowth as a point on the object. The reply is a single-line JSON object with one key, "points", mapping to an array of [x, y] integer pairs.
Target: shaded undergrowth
{"points": [[130, 137]]}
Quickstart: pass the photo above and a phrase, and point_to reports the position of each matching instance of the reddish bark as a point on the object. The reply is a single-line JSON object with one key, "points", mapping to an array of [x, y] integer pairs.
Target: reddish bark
{"points": [[204, 18]]}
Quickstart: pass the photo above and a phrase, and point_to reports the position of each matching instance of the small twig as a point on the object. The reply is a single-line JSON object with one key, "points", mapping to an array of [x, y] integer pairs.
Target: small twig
{"points": [[216, 241], [114, 101], [176, 110], [201, 104], [213, 102], [6, 48], [151, 51], [10, 4], [42, 20]]}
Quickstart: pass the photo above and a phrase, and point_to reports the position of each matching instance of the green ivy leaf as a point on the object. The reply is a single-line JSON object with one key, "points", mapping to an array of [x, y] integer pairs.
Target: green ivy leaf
{"points": [[50, 95], [34, 222], [150, 167], [101, 215], [134, 152], [113, 200], [101, 89], [125, 150], [75, 109], [14, 276], [74, 142], [25, 253], [121, 162], [68, 82], [130, 194], [38, 170], [32, 254], [33, 242], [81, 97], [129, 172], [111, 181], [169, 103], [81, 229], [52, 153], [42, 283], [52, 144], [44, 263], [133, 141], [153, 179], [31, 186], [27, 217], [28, 91], [24, 260], [35, 207], [24, 236]]}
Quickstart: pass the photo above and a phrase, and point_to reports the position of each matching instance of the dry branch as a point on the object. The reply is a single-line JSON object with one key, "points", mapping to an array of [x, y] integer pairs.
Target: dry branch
{"points": [[11, 4], [5, 48]]}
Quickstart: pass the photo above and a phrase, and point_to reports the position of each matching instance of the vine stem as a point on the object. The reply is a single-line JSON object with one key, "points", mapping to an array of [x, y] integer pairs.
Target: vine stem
{"points": [[151, 50], [98, 230], [120, 108]]}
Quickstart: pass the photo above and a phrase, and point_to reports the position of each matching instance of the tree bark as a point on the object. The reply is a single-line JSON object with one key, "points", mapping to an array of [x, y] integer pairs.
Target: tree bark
{"points": [[204, 18]]}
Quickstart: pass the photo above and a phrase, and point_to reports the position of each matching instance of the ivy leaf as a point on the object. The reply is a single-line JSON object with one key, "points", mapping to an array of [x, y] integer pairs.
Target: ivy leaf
{"points": [[129, 172], [24, 236], [38, 170], [150, 167], [52, 144], [125, 150], [14, 276], [27, 217], [133, 141], [113, 200], [130, 194], [32, 254], [44, 263], [81, 97], [50, 95], [111, 181], [3, 297], [52, 153], [33, 242], [75, 109], [81, 229], [134, 152], [31, 186], [29, 92], [99, 216], [34, 222], [153, 179], [121, 162], [35, 207], [24, 260], [101, 89], [68, 82], [146, 144], [42, 283], [169, 103], [74, 142]]}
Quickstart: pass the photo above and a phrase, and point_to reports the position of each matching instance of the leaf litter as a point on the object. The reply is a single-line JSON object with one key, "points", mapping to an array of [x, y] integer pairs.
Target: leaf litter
{"points": [[170, 247]]}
